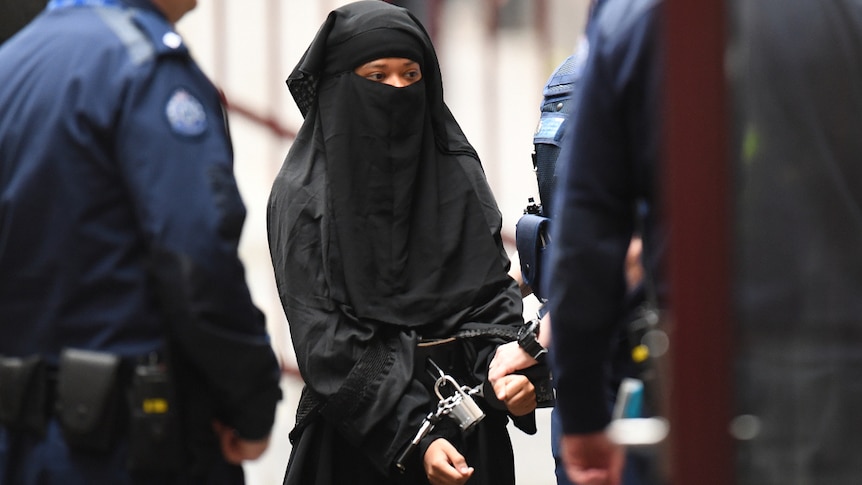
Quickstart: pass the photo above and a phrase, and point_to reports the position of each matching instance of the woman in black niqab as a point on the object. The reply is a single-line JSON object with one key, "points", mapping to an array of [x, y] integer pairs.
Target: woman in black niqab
{"points": [[383, 234]]}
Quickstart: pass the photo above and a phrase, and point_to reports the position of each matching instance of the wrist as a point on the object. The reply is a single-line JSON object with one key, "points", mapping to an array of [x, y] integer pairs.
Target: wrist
{"points": [[528, 340]]}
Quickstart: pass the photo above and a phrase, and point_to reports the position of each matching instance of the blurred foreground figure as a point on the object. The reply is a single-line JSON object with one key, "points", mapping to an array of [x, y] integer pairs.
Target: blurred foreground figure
{"points": [[798, 239], [130, 349], [606, 190]]}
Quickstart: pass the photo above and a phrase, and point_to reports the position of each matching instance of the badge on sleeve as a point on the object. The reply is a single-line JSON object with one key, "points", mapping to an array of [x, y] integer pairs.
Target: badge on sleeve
{"points": [[550, 128], [186, 114]]}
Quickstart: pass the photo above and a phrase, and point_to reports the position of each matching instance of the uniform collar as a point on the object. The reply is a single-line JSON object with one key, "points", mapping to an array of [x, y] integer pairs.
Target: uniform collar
{"points": [[139, 4], [55, 4]]}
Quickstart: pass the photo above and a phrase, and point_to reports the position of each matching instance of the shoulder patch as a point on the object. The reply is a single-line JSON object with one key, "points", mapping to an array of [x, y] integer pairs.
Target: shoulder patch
{"points": [[185, 113], [550, 128]]}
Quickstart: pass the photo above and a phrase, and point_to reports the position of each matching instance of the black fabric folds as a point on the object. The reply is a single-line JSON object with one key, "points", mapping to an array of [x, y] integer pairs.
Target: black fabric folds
{"points": [[382, 229]]}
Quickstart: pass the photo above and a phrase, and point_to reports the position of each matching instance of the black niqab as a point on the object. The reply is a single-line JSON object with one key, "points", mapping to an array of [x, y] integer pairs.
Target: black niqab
{"points": [[411, 237]]}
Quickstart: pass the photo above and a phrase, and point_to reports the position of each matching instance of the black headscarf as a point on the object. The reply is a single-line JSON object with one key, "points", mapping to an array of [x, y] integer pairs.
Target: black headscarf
{"points": [[409, 229], [381, 225]]}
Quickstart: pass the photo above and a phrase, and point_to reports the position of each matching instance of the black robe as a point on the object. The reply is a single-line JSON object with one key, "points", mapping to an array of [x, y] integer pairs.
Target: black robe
{"points": [[384, 234]]}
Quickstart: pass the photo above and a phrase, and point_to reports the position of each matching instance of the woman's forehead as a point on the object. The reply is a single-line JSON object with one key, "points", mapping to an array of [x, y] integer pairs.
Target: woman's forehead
{"points": [[389, 61]]}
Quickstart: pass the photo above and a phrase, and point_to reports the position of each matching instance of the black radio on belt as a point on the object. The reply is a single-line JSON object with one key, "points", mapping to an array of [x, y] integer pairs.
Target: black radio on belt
{"points": [[154, 433]]}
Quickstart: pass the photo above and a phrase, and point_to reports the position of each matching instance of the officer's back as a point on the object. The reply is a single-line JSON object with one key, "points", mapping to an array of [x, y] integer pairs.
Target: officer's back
{"points": [[122, 299]]}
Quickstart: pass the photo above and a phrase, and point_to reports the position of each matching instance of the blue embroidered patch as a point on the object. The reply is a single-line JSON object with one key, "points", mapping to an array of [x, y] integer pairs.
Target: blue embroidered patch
{"points": [[549, 127], [186, 114]]}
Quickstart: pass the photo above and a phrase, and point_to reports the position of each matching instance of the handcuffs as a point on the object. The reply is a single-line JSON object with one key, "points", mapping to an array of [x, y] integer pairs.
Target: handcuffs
{"points": [[528, 340], [460, 407]]}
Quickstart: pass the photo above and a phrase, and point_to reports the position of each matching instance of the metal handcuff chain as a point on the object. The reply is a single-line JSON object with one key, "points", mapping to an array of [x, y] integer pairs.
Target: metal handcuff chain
{"points": [[460, 407]]}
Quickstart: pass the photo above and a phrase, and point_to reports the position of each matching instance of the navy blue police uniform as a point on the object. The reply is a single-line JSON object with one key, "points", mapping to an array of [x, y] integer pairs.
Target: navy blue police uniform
{"points": [[607, 168], [120, 219], [558, 102], [605, 192]]}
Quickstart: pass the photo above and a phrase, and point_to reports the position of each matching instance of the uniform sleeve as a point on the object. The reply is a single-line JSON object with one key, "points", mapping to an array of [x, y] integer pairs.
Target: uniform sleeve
{"points": [[175, 155], [591, 234]]}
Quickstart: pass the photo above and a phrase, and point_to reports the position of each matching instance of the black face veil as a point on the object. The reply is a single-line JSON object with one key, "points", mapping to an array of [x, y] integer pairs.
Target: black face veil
{"points": [[381, 213]]}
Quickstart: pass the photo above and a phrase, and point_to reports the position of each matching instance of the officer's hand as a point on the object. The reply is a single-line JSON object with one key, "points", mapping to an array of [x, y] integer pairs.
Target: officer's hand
{"points": [[235, 449], [444, 465], [517, 392], [592, 459], [508, 358]]}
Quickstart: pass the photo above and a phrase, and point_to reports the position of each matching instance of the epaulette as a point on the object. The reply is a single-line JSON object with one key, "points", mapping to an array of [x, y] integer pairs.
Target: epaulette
{"points": [[144, 34], [163, 37], [564, 77]]}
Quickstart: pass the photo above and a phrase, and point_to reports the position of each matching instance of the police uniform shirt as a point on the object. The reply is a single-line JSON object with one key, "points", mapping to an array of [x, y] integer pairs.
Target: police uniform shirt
{"points": [[115, 166]]}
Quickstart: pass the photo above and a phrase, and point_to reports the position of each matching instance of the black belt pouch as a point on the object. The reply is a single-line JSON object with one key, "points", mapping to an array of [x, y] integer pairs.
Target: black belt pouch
{"points": [[23, 393], [88, 398]]}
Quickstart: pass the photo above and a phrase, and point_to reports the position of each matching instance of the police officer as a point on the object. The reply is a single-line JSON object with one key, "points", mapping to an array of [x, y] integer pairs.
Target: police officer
{"points": [[130, 349], [606, 190]]}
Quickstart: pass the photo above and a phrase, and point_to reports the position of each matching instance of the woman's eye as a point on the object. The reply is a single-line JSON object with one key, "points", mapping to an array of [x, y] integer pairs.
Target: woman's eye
{"points": [[375, 76]]}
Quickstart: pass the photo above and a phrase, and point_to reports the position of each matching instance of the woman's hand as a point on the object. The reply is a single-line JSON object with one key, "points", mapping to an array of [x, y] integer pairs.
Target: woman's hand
{"points": [[508, 358], [517, 392], [444, 465]]}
